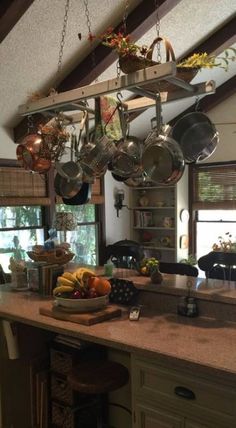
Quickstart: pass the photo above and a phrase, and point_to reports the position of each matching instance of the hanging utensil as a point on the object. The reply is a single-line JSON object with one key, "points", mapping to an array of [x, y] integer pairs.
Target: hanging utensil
{"points": [[196, 135], [162, 159], [69, 177], [70, 170], [95, 158]]}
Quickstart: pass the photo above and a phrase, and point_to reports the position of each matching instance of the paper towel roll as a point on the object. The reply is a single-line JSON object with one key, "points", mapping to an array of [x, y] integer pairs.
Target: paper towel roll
{"points": [[10, 332]]}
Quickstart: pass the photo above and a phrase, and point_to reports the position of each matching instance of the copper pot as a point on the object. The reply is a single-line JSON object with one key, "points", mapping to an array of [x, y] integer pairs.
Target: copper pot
{"points": [[33, 154]]}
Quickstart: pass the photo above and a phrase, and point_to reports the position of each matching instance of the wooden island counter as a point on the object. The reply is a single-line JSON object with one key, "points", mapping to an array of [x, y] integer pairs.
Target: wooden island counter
{"points": [[194, 353]]}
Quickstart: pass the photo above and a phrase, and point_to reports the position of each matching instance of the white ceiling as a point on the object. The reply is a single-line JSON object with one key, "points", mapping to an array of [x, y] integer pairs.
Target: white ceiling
{"points": [[29, 54]]}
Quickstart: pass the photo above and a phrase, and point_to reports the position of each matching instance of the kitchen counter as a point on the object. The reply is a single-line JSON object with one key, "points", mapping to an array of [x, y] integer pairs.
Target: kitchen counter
{"points": [[205, 343]]}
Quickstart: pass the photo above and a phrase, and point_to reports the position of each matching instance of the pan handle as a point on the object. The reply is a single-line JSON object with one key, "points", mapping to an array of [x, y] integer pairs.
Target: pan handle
{"points": [[158, 112]]}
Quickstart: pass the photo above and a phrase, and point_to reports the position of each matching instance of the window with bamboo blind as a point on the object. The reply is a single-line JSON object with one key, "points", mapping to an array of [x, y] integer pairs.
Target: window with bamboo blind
{"points": [[213, 186], [212, 197], [20, 187]]}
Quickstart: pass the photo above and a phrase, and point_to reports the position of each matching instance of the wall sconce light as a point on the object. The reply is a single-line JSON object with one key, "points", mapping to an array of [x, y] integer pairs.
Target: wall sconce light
{"points": [[119, 197]]}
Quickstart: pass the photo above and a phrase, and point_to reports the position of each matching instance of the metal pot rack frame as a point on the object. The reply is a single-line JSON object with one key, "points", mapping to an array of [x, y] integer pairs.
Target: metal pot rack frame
{"points": [[75, 99]]}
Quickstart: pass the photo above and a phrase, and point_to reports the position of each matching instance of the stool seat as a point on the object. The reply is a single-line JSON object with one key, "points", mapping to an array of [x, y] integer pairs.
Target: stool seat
{"points": [[97, 377]]}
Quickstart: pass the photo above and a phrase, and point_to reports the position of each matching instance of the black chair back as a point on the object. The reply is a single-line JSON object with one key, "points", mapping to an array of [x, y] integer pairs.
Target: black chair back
{"points": [[124, 254], [178, 268], [219, 265]]}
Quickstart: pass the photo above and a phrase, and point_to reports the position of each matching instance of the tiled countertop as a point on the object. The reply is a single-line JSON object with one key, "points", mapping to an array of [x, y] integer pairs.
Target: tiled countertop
{"points": [[206, 343]]}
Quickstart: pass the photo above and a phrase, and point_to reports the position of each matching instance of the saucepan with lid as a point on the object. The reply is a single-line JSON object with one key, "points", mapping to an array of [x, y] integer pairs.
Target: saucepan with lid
{"points": [[162, 159]]}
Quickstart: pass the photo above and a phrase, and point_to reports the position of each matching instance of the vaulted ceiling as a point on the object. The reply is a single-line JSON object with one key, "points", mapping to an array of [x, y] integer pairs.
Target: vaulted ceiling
{"points": [[30, 33]]}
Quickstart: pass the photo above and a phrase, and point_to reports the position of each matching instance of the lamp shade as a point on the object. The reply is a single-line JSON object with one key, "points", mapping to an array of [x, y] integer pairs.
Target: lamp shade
{"points": [[65, 221]]}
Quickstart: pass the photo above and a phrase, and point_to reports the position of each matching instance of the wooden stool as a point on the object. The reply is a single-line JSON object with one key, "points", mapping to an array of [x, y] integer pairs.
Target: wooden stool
{"points": [[97, 378]]}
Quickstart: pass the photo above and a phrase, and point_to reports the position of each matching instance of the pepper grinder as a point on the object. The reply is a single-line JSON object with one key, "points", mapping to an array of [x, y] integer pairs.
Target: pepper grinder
{"points": [[187, 306]]}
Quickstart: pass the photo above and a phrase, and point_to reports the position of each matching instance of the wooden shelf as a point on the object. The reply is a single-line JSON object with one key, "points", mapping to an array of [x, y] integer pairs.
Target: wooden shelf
{"points": [[153, 208], [153, 187], [150, 247], [153, 228]]}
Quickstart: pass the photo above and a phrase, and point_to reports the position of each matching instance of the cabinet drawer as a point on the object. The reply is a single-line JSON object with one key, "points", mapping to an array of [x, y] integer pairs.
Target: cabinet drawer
{"points": [[183, 392]]}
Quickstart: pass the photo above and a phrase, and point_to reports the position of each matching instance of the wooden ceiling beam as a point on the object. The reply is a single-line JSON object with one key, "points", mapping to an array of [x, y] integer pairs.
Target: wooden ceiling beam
{"points": [[139, 21], [217, 41], [10, 13]]}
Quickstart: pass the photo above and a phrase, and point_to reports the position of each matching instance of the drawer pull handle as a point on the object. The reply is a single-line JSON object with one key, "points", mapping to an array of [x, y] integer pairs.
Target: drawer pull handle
{"points": [[183, 392]]}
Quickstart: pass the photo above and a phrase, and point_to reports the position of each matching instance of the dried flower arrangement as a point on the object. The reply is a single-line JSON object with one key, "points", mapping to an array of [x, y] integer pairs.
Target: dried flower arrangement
{"points": [[123, 45]]}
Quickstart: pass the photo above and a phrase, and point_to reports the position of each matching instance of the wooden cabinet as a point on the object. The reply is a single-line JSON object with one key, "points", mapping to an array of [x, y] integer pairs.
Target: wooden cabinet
{"points": [[164, 397], [191, 424], [149, 417], [156, 220]]}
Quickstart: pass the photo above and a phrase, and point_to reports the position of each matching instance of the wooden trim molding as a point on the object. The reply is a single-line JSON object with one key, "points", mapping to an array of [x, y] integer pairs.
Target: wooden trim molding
{"points": [[20, 201]]}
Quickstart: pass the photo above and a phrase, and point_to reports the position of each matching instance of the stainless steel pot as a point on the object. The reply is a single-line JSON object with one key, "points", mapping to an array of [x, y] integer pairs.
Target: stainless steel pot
{"points": [[162, 159], [196, 135], [127, 160]]}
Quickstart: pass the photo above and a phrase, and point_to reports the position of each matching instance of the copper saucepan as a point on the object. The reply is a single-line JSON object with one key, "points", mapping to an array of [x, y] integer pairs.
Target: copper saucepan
{"points": [[33, 154]]}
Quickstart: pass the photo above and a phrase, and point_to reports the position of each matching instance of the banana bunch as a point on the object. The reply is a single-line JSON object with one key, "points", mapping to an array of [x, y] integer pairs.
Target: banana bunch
{"points": [[66, 283], [83, 274], [69, 282]]}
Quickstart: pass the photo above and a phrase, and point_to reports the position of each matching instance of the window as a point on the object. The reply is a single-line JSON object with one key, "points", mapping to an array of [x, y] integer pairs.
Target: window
{"points": [[23, 196], [213, 190], [84, 240], [20, 228], [213, 224]]}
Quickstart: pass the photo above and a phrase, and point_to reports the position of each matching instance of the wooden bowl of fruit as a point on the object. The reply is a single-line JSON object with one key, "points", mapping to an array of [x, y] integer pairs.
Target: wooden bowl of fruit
{"points": [[81, 291]]}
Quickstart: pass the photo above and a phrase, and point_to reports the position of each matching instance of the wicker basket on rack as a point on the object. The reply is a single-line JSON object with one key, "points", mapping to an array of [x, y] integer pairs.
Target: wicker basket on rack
{"points": [[130, 64]]}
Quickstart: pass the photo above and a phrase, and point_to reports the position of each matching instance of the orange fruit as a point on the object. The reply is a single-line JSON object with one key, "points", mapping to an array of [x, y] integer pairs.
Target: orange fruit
{"points": [[101, 285]]}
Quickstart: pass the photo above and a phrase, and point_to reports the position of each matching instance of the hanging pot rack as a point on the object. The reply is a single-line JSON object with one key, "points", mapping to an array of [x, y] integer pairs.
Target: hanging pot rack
{"points": [[74, 99]]}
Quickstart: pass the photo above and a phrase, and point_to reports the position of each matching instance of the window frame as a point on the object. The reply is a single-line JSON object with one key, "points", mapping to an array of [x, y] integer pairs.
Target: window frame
{"points": [[194, 206]]}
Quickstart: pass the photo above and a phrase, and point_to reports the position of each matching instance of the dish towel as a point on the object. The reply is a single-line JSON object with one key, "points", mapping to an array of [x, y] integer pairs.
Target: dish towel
{"points": [[107, 120]]}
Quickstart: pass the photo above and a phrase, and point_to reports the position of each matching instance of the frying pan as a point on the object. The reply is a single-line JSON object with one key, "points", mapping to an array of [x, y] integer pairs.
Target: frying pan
{"points": [[70, 170], [68, 179], [196, 135]]}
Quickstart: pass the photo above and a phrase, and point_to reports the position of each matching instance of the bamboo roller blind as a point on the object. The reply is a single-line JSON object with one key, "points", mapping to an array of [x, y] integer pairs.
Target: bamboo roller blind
{"points": [[21, 187], [214, 187]]}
